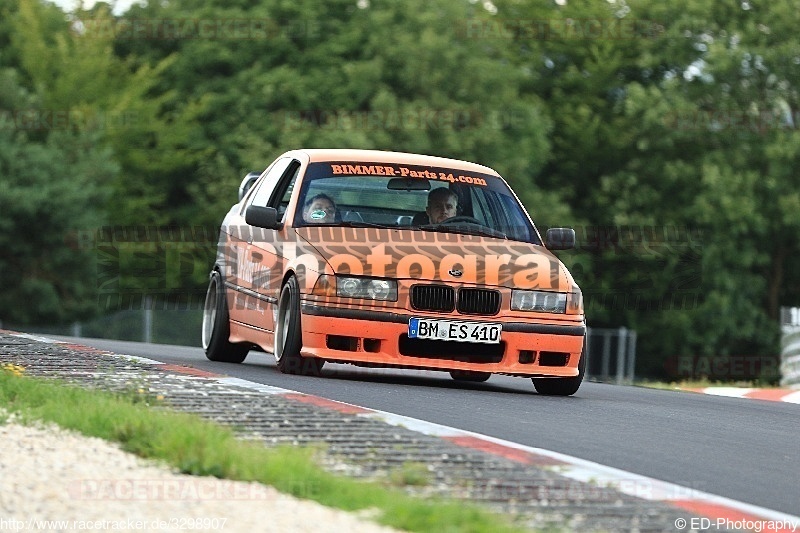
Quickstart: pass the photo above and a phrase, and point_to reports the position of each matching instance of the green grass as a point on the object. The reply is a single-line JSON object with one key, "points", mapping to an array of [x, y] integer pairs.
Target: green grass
{"points": [[411, 473], [198, 447]]}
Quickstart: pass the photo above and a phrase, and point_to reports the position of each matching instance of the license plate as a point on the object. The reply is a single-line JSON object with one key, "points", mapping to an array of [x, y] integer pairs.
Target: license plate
{"points": [[454, 330]]}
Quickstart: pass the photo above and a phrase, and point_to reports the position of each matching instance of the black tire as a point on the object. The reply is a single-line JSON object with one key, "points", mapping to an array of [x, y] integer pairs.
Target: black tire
{"points": [[562, 386], [216, 325], [466, 375], [289, 336]]}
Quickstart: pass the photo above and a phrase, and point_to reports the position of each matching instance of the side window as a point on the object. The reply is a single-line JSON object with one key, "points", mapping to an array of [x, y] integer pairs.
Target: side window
{"points": [[269, 182], [283, 192]]}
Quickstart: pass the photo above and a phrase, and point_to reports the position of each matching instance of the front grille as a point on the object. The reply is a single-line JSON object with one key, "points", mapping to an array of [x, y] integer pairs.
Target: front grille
{"points": [[468, 352], [478, 302], [433, 298]]}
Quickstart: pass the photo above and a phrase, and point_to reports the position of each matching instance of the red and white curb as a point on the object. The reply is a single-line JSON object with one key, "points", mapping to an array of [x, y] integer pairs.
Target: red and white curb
{"points": [[721, 512], [773, 395]]}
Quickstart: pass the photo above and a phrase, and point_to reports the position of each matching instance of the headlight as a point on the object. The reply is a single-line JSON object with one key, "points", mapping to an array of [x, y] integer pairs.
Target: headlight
{"points": [[370, 288], [539, 301]]}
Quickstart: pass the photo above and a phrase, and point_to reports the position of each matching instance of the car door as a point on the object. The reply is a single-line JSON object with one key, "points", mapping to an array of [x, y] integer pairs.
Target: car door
{"points": [[245, 275], [262, 265]]}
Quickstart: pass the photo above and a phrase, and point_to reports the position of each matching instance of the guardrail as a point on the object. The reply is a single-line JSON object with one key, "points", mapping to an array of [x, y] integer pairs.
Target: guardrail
{"points": [[607, 348], [175, 326], [790, 346], [611, 352]]}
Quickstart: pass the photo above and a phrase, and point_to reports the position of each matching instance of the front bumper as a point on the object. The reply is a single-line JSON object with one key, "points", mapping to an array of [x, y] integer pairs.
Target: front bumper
{"points": [[551, 348]]}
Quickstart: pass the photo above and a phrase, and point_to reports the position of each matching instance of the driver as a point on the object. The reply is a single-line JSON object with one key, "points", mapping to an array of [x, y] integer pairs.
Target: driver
{"points": [[442, 204]]}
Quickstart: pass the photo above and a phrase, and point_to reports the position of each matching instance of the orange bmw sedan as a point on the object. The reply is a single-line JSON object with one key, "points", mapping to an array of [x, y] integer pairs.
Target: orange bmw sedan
{"points": [[390, 259]]}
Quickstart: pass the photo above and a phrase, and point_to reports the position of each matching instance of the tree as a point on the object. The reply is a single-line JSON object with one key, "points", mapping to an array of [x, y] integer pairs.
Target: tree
{"points": [[638, 145], [47, 192], [309, 75]]}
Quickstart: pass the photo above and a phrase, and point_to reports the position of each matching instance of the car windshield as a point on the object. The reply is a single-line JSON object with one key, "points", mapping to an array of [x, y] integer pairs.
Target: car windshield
{"points": [[406, 196]]}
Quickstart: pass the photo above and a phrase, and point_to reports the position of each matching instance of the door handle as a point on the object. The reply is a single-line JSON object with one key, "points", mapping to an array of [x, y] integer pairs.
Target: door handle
{"points": [[256, 256]]}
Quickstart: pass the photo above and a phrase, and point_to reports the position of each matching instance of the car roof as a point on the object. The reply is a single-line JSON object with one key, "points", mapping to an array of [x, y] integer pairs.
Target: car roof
{"points": [[379, 156]]}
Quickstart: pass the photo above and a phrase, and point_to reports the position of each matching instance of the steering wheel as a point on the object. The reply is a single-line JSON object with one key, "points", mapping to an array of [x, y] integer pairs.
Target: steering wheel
{"points": [[461, 219]]}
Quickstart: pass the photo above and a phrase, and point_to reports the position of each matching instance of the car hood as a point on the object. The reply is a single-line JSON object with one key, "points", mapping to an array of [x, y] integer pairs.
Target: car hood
{"points": [[434, 256]]}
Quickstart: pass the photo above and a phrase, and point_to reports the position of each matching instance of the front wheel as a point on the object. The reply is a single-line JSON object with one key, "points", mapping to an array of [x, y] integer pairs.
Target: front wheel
{"points": [[289, 336], [216, 325], [562, 386]]}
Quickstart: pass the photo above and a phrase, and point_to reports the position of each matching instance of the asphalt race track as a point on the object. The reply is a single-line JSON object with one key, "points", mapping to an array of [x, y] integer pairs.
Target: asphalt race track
{"points": [[742, 449]]}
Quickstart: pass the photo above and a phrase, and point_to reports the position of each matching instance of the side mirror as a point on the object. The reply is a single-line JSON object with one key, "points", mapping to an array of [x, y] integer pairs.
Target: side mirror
{"points": [[560, 238], [247, 182], [262, 217]]}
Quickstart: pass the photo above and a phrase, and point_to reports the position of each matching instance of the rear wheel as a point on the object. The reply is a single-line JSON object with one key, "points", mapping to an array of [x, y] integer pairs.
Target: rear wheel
{"points": [[289, 337], [466, 375], [216, 325], [562, 386]]}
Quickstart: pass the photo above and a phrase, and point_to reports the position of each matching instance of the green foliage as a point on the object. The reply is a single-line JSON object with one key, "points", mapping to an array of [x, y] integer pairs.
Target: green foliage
{"points": [[672, 125], [391, 76], [411, 473], [50, 182], [687, 130]]}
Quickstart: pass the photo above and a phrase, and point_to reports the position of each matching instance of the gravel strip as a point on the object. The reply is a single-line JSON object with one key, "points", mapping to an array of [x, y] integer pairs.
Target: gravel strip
{"points": [[54, 480]]}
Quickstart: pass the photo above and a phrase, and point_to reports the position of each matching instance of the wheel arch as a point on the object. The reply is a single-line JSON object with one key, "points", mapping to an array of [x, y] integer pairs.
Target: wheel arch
{"points": [[217, 268]]}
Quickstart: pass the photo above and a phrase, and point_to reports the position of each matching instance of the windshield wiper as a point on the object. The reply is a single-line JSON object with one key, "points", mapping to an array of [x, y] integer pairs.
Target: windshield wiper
{"points": [[347, 224], [362, 224]]}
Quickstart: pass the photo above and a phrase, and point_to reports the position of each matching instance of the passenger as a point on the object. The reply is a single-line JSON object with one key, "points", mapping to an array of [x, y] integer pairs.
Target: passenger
{"points": [[320, 209]]}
